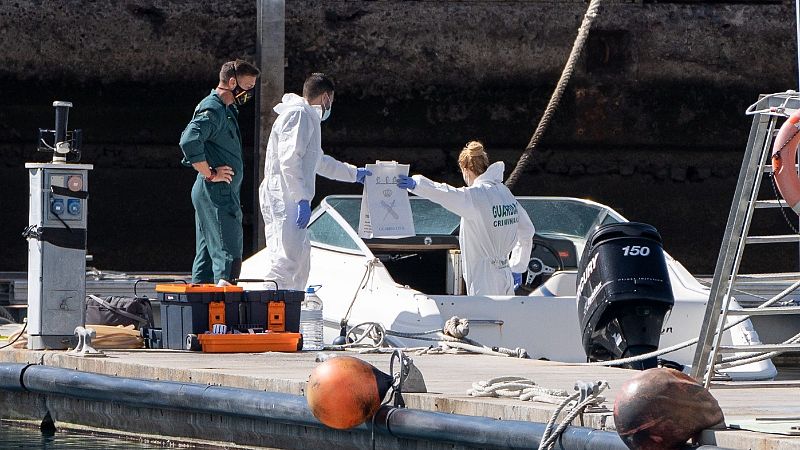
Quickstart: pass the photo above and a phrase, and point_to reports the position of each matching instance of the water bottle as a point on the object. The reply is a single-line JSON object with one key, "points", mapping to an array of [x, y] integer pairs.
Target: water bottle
{"points": [[311, 320]]}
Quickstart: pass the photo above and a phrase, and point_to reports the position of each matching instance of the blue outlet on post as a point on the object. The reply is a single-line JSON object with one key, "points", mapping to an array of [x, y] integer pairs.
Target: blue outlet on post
{"points": [[57, 206], [74, 206]]}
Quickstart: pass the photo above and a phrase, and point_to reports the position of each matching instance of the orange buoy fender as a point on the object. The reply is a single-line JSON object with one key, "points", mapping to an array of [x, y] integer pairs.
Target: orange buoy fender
{"points": [[660, 409], [344, 392], [784, 154]]}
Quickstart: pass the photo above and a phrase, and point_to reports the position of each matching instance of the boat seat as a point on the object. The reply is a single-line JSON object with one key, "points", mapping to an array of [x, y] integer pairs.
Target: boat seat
{"points": [[560, 284]]}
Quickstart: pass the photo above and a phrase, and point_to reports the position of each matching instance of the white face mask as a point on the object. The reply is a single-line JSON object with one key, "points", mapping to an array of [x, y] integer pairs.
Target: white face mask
{"points": [[323, 112]]}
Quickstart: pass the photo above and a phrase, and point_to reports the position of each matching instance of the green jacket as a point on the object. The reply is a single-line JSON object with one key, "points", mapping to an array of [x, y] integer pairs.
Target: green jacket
{"points": [[213, 135]]}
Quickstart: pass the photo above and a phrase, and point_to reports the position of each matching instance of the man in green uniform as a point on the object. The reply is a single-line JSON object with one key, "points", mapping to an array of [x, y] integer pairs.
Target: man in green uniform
{"points": [[212, 144]]}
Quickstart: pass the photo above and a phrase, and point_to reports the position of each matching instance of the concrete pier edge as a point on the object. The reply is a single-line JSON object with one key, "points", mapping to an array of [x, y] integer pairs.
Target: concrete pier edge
{"points": [[110, 416]]}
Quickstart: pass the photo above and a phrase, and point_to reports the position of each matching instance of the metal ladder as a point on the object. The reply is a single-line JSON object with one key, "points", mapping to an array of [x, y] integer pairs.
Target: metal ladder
{"points": [[768, 112]]}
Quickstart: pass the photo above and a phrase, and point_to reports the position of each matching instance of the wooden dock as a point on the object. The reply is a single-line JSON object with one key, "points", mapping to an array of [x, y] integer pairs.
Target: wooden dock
{"points": [[447, 377]]}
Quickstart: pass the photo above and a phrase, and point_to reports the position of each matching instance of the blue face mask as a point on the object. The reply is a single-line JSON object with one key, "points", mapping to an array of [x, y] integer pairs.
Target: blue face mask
{"points": [[324, 112]]}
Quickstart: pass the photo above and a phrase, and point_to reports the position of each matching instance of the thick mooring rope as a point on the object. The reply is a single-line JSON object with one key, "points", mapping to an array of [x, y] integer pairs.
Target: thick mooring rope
{"points": [[527, 390], [516, 387], [451, 337], [593, 398], [577, 47]]}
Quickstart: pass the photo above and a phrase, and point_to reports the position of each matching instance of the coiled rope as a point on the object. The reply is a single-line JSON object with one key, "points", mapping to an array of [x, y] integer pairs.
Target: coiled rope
{"points": [[370, 337], [550, 436], [516, 387], [525, 389], [16, 336], [455, 327], [577, 47]]}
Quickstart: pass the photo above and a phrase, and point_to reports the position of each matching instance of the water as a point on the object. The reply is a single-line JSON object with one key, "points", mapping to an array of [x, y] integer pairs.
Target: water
{"points": [[311, 320], [311, 328], [17, 437]]}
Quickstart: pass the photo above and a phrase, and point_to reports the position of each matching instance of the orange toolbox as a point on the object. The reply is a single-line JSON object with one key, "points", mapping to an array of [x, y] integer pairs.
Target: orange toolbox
{"points": [[194, 309], [251, 342]]}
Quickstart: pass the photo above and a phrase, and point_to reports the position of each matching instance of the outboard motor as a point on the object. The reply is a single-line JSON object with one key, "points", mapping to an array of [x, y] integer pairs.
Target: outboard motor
{"points": [[624, 293]]}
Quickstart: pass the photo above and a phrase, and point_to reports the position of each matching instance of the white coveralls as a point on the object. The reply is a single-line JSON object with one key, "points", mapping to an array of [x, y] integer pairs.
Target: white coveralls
{"points": [[294, 158], [493, 224]]}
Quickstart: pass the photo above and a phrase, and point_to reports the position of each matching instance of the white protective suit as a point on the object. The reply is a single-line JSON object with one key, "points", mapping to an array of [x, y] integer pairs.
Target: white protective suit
{"points": [[294, 158], [493, 225]]}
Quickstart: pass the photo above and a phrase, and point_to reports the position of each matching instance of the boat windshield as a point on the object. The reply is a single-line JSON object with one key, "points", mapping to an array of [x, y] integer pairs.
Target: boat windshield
{"points": [[552, 216], [567, 217]]}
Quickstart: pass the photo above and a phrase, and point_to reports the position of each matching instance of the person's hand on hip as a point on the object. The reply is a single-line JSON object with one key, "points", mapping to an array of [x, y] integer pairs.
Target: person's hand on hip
{"points": [[303, 214], [221, 174]]}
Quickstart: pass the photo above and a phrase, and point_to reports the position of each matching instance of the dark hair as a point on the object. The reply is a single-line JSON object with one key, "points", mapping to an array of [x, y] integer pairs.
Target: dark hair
{"points": [[235, 68], [317, 84]]}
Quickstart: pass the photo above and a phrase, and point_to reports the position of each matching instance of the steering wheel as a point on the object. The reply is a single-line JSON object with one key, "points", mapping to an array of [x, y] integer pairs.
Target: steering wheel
{"points": [[544, 262]]}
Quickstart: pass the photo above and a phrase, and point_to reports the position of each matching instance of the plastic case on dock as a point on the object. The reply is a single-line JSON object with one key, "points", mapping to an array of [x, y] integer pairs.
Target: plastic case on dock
{"points": [[251, 343], [263, 309], [193, 308]]}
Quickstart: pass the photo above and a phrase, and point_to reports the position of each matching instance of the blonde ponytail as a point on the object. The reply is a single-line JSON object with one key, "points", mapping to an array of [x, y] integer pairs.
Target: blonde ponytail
{"points": [[474, 158]]}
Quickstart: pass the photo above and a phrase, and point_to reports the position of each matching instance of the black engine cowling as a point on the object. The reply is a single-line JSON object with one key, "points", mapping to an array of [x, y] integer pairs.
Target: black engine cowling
{"points": [[623, 292]]}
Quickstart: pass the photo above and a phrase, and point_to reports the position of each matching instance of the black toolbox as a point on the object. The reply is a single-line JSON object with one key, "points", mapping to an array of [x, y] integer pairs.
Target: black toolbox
{"points": [[193, 309], [273, 309]]}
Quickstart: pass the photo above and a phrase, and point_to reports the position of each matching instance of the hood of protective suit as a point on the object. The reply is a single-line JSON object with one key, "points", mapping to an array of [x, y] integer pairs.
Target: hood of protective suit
{"points": [[493, 173], [290, 102]]}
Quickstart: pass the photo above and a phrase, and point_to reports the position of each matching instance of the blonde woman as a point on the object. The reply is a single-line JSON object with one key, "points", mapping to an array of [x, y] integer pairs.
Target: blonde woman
{"points": [[496, 233]]}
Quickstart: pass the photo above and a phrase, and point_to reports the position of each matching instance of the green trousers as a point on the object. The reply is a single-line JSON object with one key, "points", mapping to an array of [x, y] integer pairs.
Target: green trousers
{"points": [[218, 228]]}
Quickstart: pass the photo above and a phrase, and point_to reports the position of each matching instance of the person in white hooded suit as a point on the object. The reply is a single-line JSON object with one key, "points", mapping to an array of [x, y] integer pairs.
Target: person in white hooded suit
{"points": [[496, 233], [293, 160]]}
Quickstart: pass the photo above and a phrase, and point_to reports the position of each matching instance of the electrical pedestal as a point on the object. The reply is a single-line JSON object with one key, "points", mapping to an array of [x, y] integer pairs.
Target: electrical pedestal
{"points": [[56, 236]]}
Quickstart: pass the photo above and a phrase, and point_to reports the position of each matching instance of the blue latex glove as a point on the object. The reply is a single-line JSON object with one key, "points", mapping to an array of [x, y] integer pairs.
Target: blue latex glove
{"points": [[303, 214], [362, 173], [406, 182], [517, 279]]}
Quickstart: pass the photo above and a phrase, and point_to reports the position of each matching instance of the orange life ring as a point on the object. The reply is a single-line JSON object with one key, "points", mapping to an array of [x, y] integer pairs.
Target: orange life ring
{"points": [[784, 155]]}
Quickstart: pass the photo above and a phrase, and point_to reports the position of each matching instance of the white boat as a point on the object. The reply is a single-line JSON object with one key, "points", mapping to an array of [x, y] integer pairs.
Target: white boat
{"points": [[413, 285]]}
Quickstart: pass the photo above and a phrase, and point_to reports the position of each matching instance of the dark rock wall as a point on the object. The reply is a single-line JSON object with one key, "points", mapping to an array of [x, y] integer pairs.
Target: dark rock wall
{"points": [[652, 122]]}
